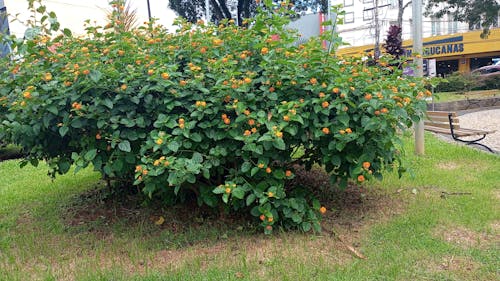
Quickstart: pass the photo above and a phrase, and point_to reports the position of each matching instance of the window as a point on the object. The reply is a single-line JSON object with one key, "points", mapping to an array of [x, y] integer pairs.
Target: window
{"points": [[436, 26], [348, 3], [452, 27], [349, 17], [367, 15]]}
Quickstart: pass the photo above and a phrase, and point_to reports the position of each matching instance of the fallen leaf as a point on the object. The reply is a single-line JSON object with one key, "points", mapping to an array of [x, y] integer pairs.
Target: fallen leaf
{"points": [[160, 220]]}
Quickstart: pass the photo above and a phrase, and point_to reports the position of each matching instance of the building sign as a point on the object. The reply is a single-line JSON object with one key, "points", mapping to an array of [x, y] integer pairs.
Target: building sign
{"points": [[441, 47]]}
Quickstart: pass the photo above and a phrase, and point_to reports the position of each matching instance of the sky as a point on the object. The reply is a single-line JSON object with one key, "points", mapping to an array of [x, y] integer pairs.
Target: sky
{"points": [[72, 13]]}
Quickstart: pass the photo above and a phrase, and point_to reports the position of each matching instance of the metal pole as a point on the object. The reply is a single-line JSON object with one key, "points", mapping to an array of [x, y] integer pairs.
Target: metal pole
{"points": [[376, 52], [207, 10], [419, 72], [149, 10]]}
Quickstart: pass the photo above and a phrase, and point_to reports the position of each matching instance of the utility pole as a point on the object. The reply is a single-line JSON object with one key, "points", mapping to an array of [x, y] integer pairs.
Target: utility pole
{"points": [[376, 51], [4, 29], [419, 72], [149, 10], [207, 10]]}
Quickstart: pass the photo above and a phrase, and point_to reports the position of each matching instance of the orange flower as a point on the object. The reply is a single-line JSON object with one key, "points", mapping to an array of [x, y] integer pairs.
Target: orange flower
{"points": [[269, 170], [279, 134], [286, 118], [159, 141], [384, 110], [98, 136], [228, 190], [313, 81], [47, 76], [76, 105], [27, 95], [325, 131], [321, 95], [123, 87], [270, 219], [227, 121], [254, 130], [270, 194], [86, 72], [361, 178], [264, 51], [247, 133], [368, 96], [165, 75], [262, 217], [288, 173], [325, 104], [247, 80], [138, 168], [183, 82], [322, 210], [251, 122], [348, 130], [336, 90], [377, 112], [261, 165], [366, 165], [150, 72]]}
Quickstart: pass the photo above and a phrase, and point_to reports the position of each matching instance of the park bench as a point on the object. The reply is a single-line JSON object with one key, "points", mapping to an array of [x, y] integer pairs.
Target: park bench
{"points": [[444, 122]]}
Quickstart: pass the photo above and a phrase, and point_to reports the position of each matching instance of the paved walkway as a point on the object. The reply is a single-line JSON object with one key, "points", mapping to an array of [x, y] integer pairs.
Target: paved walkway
{"points": [[485, 120]]}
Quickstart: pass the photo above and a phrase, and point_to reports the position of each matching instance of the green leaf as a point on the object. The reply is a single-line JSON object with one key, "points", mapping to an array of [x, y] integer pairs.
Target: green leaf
{"points": [[279, 144], [90, 155], [245, 167], [63, 131], [196, 137], [67, 32], [95, 75], [108, 103], [296, 218], [173, 146], [250, 199], [124, 146], [197, 158], [306, 226], [219, 189], [254, 171], [238, 192]]}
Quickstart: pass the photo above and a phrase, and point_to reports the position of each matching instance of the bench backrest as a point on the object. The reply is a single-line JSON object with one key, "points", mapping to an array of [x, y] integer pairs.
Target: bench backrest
{"points": [[440, 119]]}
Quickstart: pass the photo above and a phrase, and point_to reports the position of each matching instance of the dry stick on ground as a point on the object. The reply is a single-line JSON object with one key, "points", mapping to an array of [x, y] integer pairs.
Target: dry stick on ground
{"points": [[349, 247], [444, 193]]}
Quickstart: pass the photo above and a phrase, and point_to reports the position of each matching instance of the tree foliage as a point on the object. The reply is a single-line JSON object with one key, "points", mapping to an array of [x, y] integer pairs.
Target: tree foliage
{"points": [[473, 12], [393, 42], [193, 10]]}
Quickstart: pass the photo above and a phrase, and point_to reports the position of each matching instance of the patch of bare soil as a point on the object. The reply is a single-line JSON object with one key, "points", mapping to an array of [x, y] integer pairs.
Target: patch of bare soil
{"points": [[466, 238], [458, 264], [447, 166], [351, 211]]}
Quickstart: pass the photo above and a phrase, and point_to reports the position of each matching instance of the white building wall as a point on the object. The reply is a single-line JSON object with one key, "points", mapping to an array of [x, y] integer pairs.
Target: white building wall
{"points": [[72, 13], [358, 28]]}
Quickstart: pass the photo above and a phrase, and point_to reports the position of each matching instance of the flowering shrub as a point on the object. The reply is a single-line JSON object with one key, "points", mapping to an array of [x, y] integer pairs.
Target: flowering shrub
{"points": [[220, 111]]}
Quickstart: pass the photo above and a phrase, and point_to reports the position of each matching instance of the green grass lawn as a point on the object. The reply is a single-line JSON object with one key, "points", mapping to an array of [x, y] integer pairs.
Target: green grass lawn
{"points": [[442, 223], [454, 96]]}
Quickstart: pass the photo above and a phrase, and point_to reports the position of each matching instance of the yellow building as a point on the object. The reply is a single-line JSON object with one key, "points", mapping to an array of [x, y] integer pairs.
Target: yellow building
{"points": [[456, 52]]}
